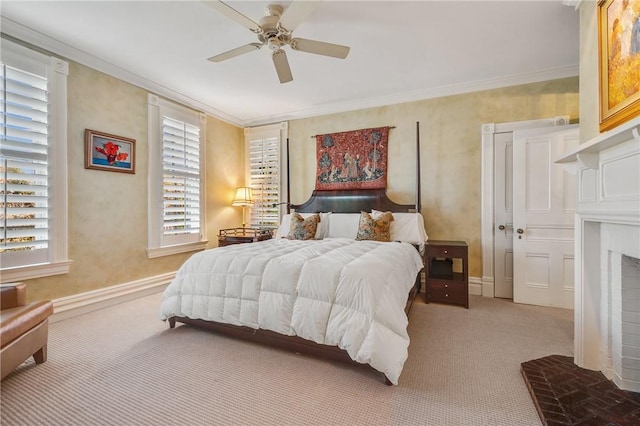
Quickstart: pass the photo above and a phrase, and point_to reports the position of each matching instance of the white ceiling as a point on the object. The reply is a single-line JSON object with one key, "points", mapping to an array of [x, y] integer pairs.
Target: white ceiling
{"points": [[400, 50]]}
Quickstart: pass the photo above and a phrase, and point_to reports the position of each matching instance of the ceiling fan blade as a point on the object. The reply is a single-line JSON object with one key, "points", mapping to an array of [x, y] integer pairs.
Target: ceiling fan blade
{"points": [[233, 14], [282, 66], [296, 13], [235, 52], [319, 47]]}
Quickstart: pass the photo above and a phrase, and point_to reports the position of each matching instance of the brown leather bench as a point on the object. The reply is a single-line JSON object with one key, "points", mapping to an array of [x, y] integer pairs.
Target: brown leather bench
{"points": [[24, 328]]}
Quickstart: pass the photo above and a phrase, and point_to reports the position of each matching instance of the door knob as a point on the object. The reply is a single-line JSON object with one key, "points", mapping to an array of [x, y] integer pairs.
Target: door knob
{"points": [[520, 231], [501, 227]]}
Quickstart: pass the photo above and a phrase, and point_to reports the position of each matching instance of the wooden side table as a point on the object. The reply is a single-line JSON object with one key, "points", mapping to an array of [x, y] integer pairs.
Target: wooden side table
{"points": [[443, 285], [242, 235]]}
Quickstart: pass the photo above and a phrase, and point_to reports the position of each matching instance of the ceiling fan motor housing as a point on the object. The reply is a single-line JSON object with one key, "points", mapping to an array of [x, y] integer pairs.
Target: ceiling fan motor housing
{"points": [[272, 34], [269, 25]]}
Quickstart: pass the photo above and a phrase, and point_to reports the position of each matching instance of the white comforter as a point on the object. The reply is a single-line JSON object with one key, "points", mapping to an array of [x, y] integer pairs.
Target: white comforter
{"points": [[335, 292]]}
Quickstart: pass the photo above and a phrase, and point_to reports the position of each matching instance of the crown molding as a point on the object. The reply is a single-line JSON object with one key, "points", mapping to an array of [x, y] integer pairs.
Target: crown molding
{"points": [[56, 47], [437, 92]]}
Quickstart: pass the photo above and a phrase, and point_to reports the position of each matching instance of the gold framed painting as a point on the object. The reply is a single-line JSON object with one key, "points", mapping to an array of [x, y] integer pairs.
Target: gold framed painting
{"points": [[619, 61]]}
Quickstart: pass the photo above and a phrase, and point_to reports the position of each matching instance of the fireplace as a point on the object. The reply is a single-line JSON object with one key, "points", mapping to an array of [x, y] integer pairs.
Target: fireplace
{"points": [[607, 271]]}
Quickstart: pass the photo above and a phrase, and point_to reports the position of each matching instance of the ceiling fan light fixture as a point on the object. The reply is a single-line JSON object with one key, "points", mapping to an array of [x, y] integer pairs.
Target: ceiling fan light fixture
{"points": [[274, 44]]}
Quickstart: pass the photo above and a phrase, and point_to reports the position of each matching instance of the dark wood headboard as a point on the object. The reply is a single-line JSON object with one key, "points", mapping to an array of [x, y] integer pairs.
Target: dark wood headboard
{"points": [[351, 201], [356, 200]]}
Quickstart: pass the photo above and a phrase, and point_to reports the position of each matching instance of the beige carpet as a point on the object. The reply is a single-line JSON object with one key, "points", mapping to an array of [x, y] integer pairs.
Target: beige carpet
{"points": [[123, 366]]}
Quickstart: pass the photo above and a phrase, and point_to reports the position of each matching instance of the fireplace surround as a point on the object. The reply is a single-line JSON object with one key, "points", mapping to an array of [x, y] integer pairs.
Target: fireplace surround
{"points": [[607, 249]]}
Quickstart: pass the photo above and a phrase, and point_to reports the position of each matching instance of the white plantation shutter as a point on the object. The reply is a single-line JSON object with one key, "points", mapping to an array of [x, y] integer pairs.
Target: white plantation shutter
{"points": [[33, 203], [181, 178], [264, 170], [176, 179], [24, 159], [264, 152]]}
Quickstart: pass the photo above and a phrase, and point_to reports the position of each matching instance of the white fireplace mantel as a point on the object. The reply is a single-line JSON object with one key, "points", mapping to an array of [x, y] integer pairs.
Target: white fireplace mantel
{"points": [[587, 154], [607, 228]]}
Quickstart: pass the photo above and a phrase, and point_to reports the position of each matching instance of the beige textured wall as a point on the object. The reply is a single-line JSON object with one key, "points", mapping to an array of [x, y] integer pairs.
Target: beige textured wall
{"points": [[225, 172], [589, 92], [450, 150], [108, 210]]}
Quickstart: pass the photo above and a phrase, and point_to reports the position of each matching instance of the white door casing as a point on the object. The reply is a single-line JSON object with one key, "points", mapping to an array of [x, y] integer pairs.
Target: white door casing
{"points": [[544, 203], [490, 174], [503, 228]]}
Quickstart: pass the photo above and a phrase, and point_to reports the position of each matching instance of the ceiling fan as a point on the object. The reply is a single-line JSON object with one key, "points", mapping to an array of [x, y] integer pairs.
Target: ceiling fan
{"points": [[275, 31]]}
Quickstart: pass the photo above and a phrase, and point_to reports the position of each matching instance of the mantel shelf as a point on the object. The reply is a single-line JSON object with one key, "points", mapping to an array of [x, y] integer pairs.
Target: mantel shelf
{"points": [[588, 153]]}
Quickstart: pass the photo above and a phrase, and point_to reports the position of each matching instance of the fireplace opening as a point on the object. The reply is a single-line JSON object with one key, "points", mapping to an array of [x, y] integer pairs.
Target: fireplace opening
{"points": [[626, 326], [619, 314]]}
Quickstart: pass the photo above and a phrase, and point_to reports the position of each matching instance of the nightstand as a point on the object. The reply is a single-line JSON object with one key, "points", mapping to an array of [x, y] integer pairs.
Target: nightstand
{"points": [[444, 282], [242, 235]]}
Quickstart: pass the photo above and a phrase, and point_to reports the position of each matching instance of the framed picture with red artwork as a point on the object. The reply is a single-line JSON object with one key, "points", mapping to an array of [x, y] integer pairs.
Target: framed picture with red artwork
{"points": [[104, 151]]}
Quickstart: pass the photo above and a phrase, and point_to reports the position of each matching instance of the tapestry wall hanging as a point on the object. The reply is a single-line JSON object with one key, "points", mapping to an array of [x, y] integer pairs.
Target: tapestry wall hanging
{"points": [[356, 159]]}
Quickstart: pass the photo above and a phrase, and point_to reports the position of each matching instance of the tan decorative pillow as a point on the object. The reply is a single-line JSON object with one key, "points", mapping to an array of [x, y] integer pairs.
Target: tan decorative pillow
{"points": [[375, 229], [303, 229]]}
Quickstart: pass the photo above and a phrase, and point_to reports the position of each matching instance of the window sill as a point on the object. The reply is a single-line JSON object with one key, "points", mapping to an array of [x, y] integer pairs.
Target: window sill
{"points": [[176, 249], [21, 273]]}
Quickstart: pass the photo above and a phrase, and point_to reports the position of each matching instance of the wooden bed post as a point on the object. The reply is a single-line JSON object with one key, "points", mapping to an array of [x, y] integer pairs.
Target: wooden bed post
{"points": [[418, 204], [288, 180]]}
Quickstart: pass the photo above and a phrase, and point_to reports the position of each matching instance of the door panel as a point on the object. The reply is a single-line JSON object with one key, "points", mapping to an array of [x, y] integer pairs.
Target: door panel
{"points": [[503, 200], [536, 168], [543, 217]]}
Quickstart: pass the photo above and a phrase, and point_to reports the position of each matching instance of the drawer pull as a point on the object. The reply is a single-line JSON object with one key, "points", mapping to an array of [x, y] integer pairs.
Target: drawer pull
{"points": [[446, 251], [446, 295], [446, 286]]}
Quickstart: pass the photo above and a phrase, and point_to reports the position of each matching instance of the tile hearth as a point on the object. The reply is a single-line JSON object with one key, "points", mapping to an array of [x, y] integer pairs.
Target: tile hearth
{"points": [[565, 394]]}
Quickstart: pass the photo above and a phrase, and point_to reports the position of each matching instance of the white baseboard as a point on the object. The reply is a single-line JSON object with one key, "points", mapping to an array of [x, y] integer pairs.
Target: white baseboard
{"points": [[487, 286], [475, 286], [78, 304]]}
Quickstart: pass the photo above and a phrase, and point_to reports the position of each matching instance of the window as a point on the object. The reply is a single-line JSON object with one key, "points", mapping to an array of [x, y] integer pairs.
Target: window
{"points": [[176, 179], [264, 160], [33, 164]]}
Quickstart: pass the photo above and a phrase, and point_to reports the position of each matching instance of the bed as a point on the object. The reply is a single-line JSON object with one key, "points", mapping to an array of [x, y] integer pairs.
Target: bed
{"points": [[332, 296]]}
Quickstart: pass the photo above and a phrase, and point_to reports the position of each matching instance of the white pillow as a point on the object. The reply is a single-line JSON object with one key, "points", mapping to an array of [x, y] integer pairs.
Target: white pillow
{"points": [[321, 230], [406, 227], [344, 225]]}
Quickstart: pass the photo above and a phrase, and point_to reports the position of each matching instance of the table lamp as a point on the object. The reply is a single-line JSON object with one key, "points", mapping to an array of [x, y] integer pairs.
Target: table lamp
{"points": [[243, 198]]}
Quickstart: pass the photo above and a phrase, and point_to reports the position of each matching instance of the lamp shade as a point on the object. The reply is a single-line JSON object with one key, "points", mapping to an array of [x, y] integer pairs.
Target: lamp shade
{"points": [[243, 197]]}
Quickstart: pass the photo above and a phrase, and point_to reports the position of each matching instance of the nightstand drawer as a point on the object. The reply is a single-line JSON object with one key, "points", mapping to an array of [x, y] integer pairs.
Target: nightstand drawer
{"points": [[447, 292], [446, 252]]}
